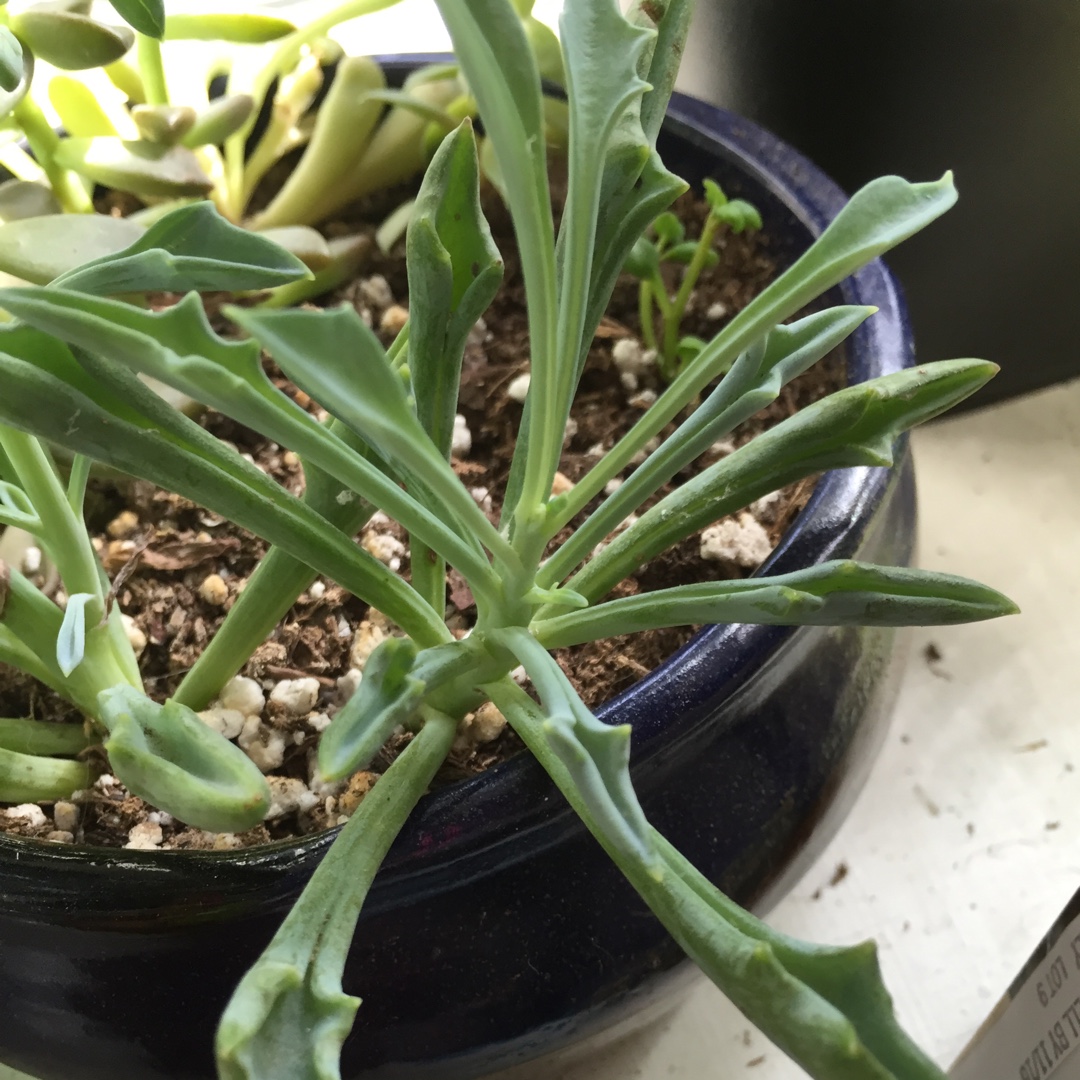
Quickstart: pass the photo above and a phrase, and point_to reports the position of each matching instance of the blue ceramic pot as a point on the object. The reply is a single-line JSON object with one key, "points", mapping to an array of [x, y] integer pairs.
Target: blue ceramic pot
{"points": [[498, 930]]}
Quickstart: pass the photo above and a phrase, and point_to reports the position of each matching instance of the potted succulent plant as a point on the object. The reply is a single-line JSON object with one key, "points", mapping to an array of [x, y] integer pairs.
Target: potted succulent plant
{"points": [[72, 362]]}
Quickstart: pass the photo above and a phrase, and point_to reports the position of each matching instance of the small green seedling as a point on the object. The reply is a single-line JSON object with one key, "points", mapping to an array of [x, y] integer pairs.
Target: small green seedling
{"points": [[666, 243]]}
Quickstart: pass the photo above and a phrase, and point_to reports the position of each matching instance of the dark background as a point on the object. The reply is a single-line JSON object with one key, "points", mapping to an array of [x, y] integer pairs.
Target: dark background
{"points": [[987, 88]]}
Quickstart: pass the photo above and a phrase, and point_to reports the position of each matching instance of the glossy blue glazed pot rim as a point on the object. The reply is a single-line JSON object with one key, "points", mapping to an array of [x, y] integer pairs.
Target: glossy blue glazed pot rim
{"points": [[486, 818]]}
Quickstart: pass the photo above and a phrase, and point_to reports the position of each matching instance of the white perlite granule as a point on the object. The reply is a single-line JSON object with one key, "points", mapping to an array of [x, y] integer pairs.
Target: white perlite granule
{"points": [[741, 540]]}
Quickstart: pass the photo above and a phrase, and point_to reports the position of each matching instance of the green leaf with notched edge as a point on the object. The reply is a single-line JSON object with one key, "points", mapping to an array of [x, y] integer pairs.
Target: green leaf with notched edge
{"points": [[94, 413], [753, 383], [454, 272], [337, 360], [192, 247], [388, 696], [68, 40], [240, 28], [40, 249], [177, 347], [289, 1015], [143, 168], [396, 680], [499, 66], [825, 1006], [856, 426], [830, 594], [168, 756], [146, 16], [596, 755], [31, 778], [11, 60]]}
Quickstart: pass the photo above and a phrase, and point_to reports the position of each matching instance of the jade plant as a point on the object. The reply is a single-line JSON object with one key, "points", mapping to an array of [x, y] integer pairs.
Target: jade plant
{"points": [[73, 362], [157, 135]]}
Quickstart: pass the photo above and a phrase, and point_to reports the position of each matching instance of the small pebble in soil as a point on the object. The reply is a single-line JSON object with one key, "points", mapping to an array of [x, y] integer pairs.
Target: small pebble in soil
{"points": [[487, 723], [227, 722], [27, 814], [644, 399], [460, 437], [518, 390], [347, 685], [613, 485], [264, 745], [244, 695], [633, 362], [31, 560], [123, 525], [359, 785], [60, 836], [146, 836], [317, 590], [561, 484], [214, 590], [741, 540], [136, 638], [289, 795], [386, 548], [394, 319], [296, 697], [66, 815], [376, 291], [716, 311], [366, 640]]}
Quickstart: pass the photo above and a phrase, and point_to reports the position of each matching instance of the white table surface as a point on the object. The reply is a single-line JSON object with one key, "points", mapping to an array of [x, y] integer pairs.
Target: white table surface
{"points": [[964, 845]]}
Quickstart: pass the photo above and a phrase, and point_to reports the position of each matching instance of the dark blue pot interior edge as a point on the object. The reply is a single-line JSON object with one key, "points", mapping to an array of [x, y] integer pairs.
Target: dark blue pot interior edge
{"points": [[500, 822]]}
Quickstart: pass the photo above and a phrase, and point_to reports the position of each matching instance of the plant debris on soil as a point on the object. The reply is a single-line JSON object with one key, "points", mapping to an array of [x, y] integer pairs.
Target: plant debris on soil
{"points": [[177, 568]]}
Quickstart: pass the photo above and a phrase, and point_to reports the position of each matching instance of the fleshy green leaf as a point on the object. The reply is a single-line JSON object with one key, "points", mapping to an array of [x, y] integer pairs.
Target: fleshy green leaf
{"points": [[146, 16], [491, 46], [307, 244], [289, 1015], [11, 60], [166, 755], [388, 695], [219, 120], [328, 157], [71, 644], [10, 98], [21, 199], [324, 353], [856, 426], [43, 738], [192, 247], [752, 384], [164, 125], [594, 754], [143, 168], [69, 40], [830, 594], [80, 113], [95, 414], [454, 272], [31, 778], [40, 249], [241, 28]]}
